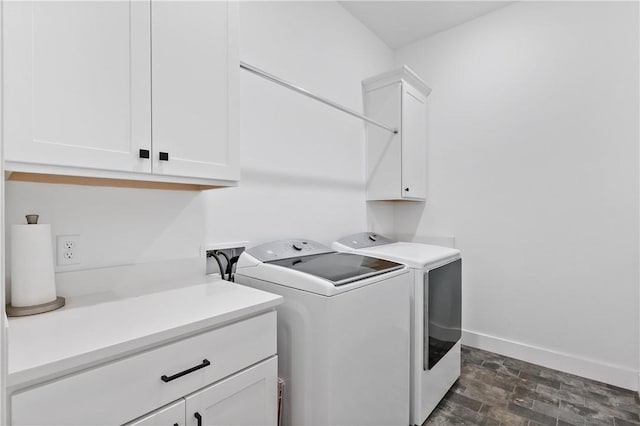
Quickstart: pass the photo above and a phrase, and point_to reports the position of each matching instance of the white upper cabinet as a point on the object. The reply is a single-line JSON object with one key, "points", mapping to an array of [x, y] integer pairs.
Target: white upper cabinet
{"points": [[76, 83], [397, 163], [133, 89], [195, 88]]}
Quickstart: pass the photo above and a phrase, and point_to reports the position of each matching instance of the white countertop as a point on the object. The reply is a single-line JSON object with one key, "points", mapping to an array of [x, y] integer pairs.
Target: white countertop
{"points": [[81, 335]]}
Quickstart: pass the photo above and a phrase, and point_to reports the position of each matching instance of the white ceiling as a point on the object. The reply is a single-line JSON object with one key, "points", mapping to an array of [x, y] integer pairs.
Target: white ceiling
{"points": [[399, 23]]}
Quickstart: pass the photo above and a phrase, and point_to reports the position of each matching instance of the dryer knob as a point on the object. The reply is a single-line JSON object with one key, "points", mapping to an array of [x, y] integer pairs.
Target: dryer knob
{"points": [[297, 247]]}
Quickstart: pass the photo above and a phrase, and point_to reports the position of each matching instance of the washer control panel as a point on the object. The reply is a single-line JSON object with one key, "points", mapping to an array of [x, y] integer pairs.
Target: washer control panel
{"points": [[365, 239], [285, 249]]}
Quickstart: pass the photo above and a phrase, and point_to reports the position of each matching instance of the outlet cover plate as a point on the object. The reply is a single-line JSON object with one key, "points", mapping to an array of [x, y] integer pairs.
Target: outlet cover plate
{"points": [[67, 250]]}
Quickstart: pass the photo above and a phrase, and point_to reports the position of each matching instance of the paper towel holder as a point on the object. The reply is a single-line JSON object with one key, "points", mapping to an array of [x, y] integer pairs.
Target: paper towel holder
{"points": [[15, 311], [19, 311]]}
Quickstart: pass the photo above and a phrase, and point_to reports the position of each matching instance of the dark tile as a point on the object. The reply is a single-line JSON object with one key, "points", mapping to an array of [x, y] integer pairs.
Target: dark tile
{"points": [[593, 416], [622, 422], [521, 365], [561, 394], [614, 412], [561, 413], [560, 376], [483, 375], [621, 391], [475, 356], [501, 415], [466, 414], [495, 390], [537, 378], [484, 393], [530, 414], [592, 389], [492, 365], [452, 413], [526, 397], [625, 403], [580, 410], [457, 387], [463, 400], [443, 419], [499, 368], [599, 422]]}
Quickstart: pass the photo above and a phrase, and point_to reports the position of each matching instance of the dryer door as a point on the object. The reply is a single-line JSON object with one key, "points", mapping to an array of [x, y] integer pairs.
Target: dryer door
{"points": [[443, 316]]}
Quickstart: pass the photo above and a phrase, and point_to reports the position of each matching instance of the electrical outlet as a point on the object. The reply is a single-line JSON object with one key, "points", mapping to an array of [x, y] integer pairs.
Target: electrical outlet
{"points": [[67, 250]]}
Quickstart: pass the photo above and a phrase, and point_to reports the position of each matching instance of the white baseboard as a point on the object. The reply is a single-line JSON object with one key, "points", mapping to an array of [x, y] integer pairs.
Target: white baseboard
{"points": [[612, 374]]}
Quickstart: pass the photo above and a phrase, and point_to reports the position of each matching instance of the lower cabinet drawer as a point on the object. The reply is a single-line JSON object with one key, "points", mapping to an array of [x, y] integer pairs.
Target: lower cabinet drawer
{"points": [[170, 415], [128, 388]]}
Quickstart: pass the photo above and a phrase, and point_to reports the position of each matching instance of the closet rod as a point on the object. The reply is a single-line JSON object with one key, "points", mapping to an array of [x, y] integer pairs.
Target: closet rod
{"points": [[300, 90]]}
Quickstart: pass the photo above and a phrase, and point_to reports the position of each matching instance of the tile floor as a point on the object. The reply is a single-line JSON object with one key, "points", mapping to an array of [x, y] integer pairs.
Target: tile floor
{"points": [[497, 390]]}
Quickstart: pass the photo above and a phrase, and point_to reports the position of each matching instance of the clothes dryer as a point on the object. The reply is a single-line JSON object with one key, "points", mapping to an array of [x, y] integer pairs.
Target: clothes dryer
{"points": [[436, 313]]}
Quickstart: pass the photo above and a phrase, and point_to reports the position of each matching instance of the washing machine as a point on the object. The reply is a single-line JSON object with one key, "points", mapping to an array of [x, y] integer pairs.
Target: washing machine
{"points": [[343, 332], [436, 313]]}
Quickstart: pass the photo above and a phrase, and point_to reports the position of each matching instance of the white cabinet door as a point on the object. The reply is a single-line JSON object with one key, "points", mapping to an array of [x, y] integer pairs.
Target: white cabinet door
{"points": [[414, 138], [384, 149], [195, 68], [247, 398], [397, 164], [171, 415], [77, 83]]}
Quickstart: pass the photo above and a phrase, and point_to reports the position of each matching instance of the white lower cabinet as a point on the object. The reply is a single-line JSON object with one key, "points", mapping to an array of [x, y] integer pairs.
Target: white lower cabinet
{"points": [[247, 398], [227, 374]]}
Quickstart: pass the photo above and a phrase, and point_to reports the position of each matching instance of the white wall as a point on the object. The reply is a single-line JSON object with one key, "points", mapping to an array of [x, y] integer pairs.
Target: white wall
{"points": [[533, 167], [302, 162]]}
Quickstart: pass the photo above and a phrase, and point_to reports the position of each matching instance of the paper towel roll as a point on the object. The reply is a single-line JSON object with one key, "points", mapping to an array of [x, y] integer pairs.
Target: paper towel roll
{"points": [[32, 273]]}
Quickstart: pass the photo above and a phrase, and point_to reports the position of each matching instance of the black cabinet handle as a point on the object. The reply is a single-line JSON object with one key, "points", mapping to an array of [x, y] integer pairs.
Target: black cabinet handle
{"points": [[198, 417], [205, 363], [164, 156], [144, 153], [176, 424], [406, 189]]}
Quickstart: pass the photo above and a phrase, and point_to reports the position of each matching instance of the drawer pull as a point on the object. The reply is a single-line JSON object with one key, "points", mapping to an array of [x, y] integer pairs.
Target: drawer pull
{"points": [[205, 363], [198, 417]]}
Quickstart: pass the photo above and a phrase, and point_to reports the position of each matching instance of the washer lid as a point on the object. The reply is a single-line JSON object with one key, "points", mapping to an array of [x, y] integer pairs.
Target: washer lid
{"points": [[414, 255], [339, 268]]}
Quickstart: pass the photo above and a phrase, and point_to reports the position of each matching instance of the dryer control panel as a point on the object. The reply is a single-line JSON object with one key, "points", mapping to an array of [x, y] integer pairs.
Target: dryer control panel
{"points": [[365, 239], [286, 249]]}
